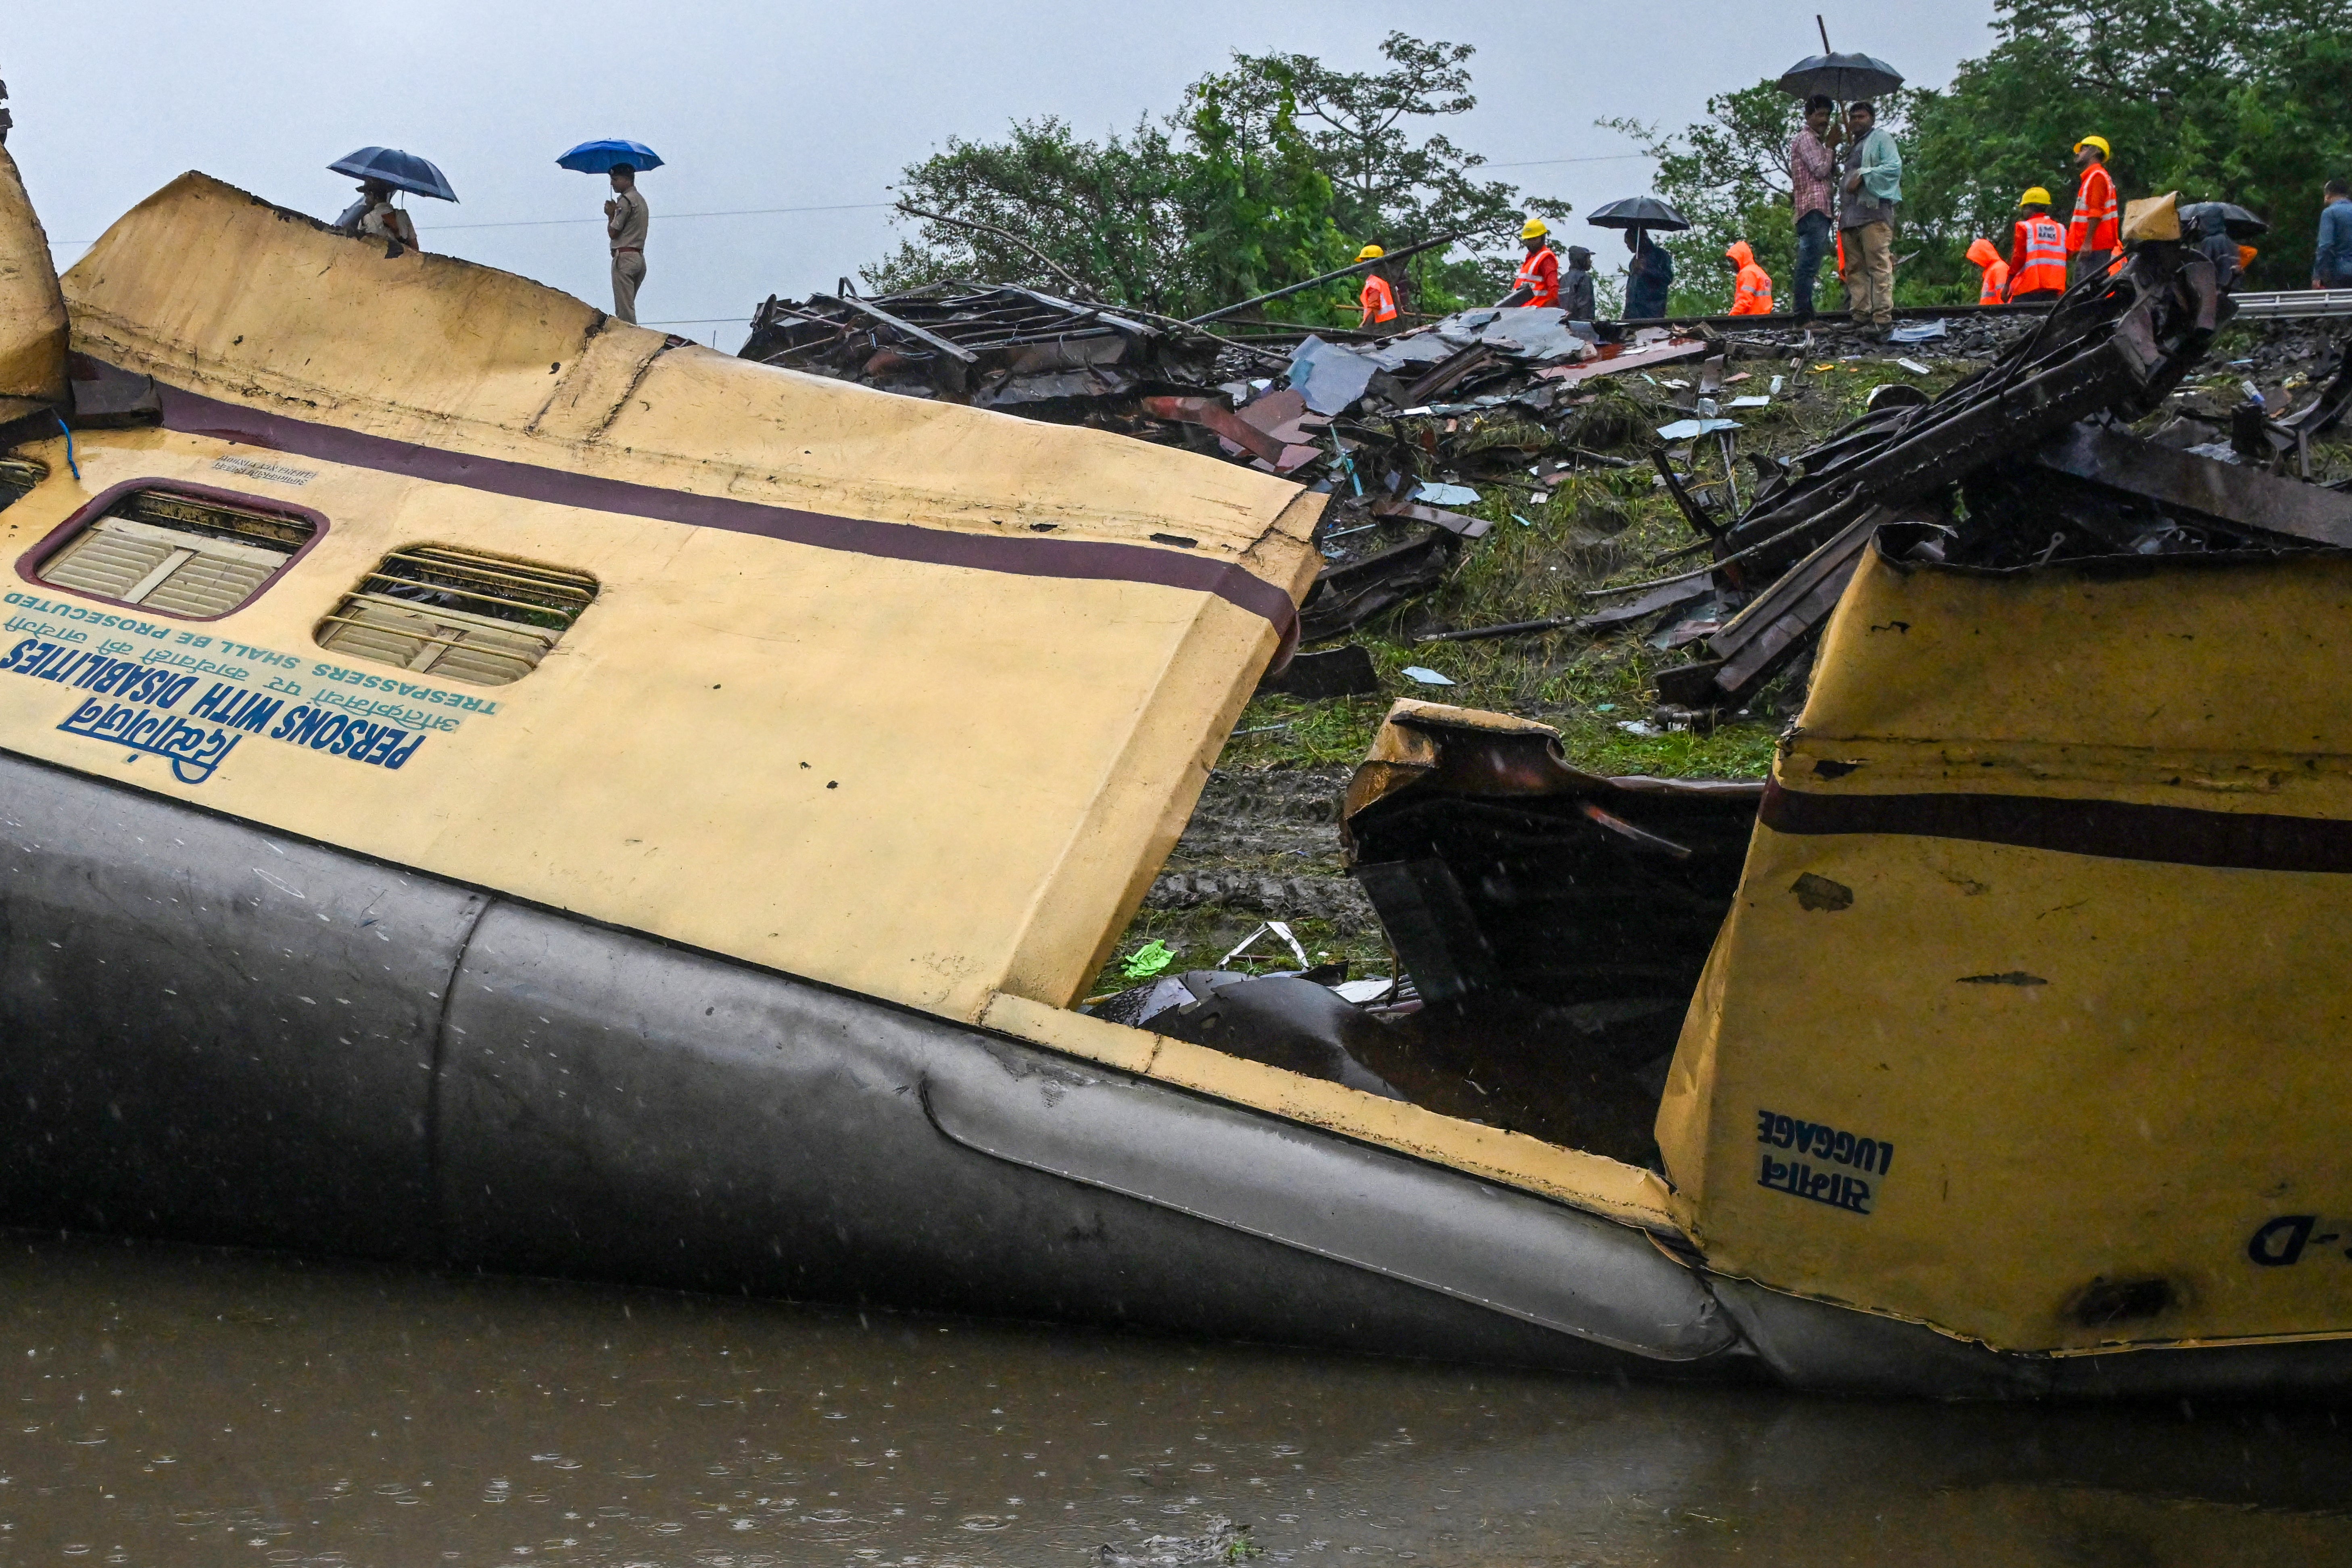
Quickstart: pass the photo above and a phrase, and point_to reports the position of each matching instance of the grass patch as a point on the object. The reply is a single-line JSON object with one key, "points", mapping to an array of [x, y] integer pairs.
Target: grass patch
{"points": [[1598, 527]]}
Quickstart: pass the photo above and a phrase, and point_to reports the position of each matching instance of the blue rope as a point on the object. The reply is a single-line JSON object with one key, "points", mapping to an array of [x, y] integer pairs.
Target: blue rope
{"points": [[69, 451]]}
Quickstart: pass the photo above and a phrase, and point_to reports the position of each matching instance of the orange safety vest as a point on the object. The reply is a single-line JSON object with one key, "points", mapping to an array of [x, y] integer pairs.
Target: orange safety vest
{"points": [[2041, 245], [1539, 274], [1378, 299], [2092, 227]]}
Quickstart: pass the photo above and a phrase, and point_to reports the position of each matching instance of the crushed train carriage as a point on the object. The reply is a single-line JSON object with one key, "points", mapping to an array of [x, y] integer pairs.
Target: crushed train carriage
{"points": [[493, 786]]}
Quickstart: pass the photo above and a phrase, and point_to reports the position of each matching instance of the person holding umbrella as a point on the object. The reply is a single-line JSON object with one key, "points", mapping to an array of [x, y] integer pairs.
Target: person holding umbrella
{"points": [[1652, 274], [626, 219], [626, 215], [1866, 189], [381, 171], [1649, 278], [374, 217], [1867, 196], [1813, 181]]}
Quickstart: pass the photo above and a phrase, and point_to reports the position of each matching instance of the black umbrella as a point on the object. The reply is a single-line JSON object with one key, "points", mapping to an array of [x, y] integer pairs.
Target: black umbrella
{"points": [[1639, 212], [401, 170], [2236, 221], [1842, 77]]}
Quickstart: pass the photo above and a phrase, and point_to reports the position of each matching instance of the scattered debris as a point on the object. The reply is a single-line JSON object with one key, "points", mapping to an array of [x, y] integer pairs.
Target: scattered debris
{"points": [[2018, 465], [991, 345], [2022, 462], [1344, 597], [1425, 676], [1149, 960], [1267, 928]]}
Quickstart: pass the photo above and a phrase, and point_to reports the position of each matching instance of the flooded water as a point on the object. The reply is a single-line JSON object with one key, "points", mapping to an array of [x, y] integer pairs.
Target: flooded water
{"points": [[172, 1405]]}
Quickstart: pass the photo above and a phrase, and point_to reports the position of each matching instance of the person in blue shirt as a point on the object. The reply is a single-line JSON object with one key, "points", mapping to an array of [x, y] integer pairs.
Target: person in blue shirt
{"points": [[1647, 279], [2331, 268]]}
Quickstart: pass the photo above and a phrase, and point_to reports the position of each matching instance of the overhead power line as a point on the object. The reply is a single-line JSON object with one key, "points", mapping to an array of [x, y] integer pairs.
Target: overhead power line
{"points": [[551, 222], [1603, 158], [664, 217]]}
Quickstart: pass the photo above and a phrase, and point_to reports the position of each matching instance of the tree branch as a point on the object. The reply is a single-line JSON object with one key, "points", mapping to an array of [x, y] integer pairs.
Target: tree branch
{"points": [[913, 211]]}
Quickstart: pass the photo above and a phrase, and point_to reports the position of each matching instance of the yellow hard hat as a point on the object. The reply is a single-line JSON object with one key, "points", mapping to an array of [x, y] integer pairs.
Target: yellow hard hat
{"points": [[1370, 253], [1533, 229], [2034, 197], [2098, 141]]}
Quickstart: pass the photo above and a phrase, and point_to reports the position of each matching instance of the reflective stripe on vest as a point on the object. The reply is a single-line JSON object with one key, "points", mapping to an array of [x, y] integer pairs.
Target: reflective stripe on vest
{"points": [[1378, 299], [1541, 281], [2045, 255], [2093, 225]]}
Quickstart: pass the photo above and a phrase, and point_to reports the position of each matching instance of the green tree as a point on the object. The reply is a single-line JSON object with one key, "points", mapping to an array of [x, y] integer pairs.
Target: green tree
{"points": [[1272, 172], [1390, 188], [1110, 213]]}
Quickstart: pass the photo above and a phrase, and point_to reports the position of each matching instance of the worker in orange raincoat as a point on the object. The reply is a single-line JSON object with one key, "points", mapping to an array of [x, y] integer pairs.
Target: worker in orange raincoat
{"points": [[2092, 239], [1537, 281], [1751, 294], [1378, 299], [2037, 253], [1995, 290]]}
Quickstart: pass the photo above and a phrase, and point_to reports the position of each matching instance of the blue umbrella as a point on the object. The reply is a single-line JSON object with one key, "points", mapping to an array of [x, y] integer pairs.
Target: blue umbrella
{"points": [[401, 170], [598, 157]]}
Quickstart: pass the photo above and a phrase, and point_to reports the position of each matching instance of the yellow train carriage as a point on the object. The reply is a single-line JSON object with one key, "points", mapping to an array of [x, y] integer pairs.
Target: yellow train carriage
{"points": [[492, 786]]}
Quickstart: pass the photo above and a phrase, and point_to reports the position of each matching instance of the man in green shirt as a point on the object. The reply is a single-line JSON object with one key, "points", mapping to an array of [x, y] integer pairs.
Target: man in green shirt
{"points": [[1867, 196]]}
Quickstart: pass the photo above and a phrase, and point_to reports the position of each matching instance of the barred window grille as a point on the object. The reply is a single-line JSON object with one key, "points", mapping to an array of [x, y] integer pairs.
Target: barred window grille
{"points": [[435, 609]]}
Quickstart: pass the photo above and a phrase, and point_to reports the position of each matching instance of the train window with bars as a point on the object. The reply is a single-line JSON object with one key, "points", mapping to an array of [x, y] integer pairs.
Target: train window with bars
{"points": [[189, 553], [435, 609], [19, 476]]}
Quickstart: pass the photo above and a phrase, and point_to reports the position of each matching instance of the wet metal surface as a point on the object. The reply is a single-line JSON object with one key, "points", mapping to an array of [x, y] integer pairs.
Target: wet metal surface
{"points": [[171, 1406]]}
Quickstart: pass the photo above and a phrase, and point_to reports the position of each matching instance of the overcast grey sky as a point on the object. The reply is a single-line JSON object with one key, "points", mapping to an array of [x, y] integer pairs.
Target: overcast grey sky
{"points": [[794, 105]]}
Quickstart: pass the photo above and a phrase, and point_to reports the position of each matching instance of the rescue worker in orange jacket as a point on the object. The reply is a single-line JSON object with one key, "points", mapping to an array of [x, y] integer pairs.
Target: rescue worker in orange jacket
{"points": [[2037, 254], [2091, 233], [1751, 294], [1537, 281], [1378, 299], [1995, 290]]}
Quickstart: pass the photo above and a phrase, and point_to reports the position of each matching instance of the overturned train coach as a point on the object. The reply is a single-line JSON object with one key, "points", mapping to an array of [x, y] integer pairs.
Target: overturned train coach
{"points": [[490, 786]]}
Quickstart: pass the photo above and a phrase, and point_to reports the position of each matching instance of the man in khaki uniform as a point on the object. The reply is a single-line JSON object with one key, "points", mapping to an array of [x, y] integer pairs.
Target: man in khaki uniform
{"points": [[626, 218]]}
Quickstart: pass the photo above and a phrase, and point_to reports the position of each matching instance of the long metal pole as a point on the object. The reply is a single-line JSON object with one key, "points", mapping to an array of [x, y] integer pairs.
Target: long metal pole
{"points": [[1326, 277]]}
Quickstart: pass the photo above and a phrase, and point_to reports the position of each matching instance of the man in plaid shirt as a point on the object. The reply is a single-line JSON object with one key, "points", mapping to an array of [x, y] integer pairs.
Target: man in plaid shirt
{"points": [[1812, 165]]}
